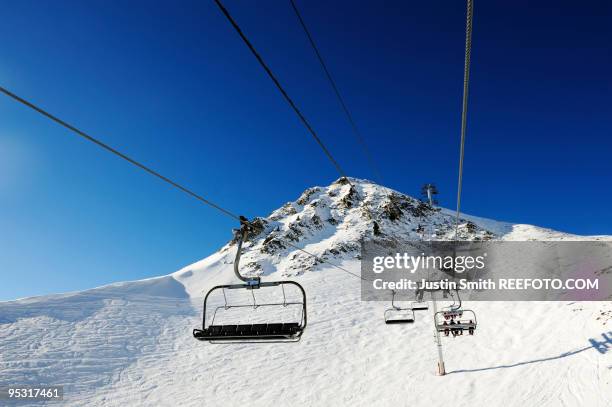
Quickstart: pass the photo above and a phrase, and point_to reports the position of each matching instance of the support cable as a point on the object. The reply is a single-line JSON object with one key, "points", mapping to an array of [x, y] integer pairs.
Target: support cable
{"points": [[466, 82], [138, 164], [116, 152], [349, 116], [281, 89]]}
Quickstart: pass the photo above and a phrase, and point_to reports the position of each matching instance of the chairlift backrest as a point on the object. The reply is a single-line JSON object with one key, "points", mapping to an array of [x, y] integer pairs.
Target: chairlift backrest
{"points": [[397, 314], [239, 329]]}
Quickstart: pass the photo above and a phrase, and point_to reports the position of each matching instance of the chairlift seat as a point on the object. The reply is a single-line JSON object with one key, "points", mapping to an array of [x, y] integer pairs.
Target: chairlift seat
{"points": [[461, 326], [253, 332], [400, 321], [289, 330], [399, 316], [420, 306]]}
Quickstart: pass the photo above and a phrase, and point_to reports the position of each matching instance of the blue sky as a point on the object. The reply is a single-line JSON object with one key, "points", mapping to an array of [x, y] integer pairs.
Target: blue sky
{"points": [[171, 84]]}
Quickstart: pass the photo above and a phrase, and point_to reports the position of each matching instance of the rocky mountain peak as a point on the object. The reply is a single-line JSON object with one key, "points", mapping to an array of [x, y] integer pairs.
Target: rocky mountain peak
{"points": [[331, 221]]}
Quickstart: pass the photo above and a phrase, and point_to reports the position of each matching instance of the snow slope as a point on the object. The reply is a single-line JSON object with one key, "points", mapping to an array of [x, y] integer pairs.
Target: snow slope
{"points": [[130, 343]]}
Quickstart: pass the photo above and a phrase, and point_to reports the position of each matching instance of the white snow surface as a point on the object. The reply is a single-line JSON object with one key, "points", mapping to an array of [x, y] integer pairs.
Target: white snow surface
{"points": [[130, 344]]}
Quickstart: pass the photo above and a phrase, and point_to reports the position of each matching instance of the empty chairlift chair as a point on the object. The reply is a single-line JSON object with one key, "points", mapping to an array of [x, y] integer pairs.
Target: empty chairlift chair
{"points": [[419, 304], [264, 318], [397, 314]]}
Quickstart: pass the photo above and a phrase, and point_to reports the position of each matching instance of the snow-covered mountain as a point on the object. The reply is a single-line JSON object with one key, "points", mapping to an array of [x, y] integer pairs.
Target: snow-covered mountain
{"points": [[130, 343]]}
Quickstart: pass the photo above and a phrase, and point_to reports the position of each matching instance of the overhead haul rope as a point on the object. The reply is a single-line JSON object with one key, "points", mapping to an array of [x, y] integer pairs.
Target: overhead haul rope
{"points": [[301, 117], [116, 152], [148, 169], [290, 101], [466, 82], [281, 90], [349, 116], [332, 82]]}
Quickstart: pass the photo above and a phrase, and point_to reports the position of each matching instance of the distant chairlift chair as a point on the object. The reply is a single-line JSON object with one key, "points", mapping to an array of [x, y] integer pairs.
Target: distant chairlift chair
{"points": [[252, 332], [419, 304], [455, 321], [397, 314]]}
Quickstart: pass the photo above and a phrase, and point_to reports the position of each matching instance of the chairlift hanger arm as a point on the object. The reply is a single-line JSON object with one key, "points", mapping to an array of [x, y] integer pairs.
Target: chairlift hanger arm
{"points": [[243, 234]]}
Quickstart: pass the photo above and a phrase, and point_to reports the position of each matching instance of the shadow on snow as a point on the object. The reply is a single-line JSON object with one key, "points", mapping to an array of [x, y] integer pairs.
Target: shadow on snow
{"points": [[602, 347]]}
